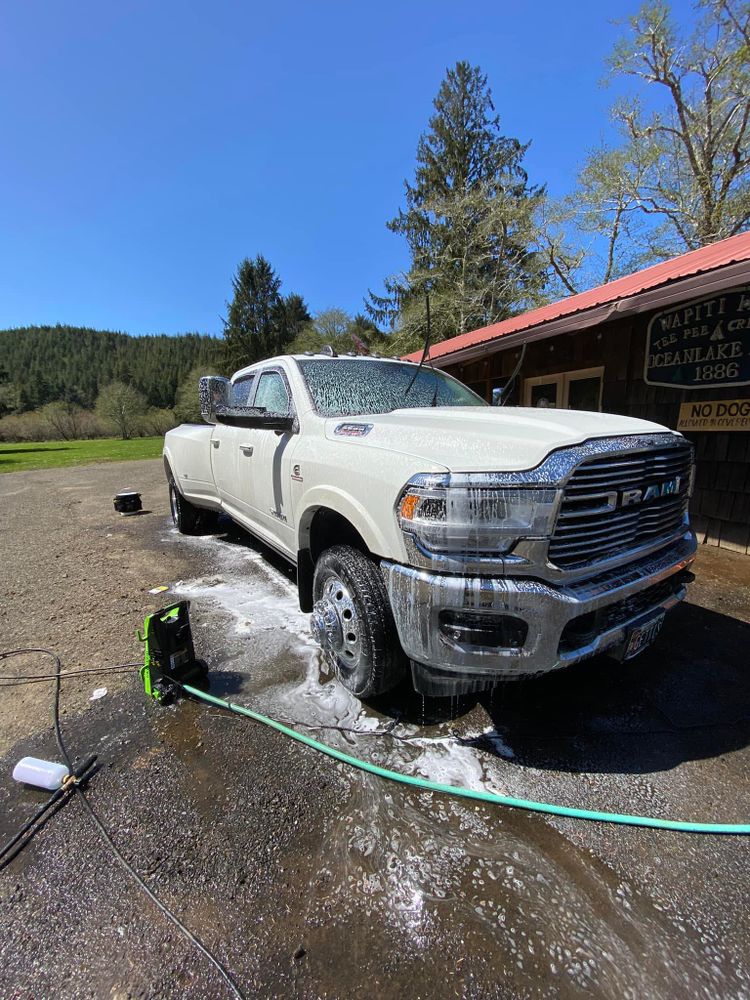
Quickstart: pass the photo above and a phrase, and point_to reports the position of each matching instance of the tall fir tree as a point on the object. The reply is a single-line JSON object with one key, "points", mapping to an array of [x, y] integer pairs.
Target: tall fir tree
{"points": [[260, 320], [469, 221], [293, 316]]}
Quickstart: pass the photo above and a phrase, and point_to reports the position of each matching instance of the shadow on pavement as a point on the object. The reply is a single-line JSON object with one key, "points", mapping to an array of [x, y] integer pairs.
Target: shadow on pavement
{"points": [[685, 698], [26, 451]]}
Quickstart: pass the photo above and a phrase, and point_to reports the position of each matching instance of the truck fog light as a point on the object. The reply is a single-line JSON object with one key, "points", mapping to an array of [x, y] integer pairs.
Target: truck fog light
{"points": [[471, 628]]}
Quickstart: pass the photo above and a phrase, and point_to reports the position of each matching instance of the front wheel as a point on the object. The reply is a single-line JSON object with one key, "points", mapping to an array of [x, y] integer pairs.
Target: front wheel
{"points": [[353, 622]]}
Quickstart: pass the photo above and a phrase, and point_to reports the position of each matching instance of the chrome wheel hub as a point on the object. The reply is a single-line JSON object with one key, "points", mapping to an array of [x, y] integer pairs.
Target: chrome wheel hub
{"points": [[173, 503], [335, 623]]}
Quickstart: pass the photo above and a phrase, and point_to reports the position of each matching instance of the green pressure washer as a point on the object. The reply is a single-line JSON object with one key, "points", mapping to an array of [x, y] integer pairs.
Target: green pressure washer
{"points": [[169, 655]]}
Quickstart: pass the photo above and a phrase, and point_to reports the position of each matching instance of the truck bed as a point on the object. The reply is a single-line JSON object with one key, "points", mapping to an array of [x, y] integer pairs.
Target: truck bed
{"points": [[187, 449]]}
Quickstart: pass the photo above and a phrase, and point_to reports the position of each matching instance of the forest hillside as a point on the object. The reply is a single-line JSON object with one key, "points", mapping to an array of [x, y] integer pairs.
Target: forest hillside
{"points": [[42, 364]]}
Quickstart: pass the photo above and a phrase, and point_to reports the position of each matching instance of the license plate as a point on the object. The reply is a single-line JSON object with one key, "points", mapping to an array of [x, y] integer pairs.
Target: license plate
{"points": [[642, 635]]}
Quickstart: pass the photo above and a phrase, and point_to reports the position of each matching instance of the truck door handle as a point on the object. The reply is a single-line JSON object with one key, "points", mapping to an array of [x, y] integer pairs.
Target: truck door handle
{"points": [[246, 449], [215, 443]]}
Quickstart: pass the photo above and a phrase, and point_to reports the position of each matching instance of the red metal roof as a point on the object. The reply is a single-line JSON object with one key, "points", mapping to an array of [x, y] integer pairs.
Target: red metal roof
{"points": [[710, 258]]}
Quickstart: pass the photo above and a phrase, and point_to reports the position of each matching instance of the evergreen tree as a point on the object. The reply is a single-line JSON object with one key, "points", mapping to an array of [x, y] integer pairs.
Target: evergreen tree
{"points": [[468, 221], [292, 318], [8, 393], [364, 331], [260, 321]]}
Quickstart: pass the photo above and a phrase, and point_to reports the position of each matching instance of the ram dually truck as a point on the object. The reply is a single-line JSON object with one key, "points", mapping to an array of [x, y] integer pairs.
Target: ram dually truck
{"points": [[435, 533]]}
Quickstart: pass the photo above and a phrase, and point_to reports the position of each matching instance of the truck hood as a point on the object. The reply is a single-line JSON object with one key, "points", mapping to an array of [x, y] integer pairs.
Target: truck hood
{"points": [[478, 439]]}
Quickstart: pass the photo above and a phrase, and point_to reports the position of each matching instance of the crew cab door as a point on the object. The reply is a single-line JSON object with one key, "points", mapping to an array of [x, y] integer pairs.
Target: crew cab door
{"points": [[269, 457], [229, 472]]}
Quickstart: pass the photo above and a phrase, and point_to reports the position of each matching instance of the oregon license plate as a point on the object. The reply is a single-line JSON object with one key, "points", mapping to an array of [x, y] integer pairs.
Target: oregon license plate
{"points": [[641, 636]]}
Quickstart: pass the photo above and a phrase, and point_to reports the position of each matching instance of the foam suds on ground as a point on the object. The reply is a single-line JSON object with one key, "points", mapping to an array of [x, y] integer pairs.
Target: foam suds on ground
{"points": [[260, 599]]}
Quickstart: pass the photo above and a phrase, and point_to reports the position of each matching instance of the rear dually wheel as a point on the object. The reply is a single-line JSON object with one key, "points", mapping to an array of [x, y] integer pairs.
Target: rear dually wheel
{"points": [[186, 516]]}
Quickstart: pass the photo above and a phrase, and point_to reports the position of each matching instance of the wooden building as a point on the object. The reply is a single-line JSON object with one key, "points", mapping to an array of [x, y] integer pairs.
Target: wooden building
{"points": [[670, 343]]}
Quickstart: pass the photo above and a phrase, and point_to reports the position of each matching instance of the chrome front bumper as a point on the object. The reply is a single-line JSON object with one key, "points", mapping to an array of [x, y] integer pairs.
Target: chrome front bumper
{"points": [[419, 598]]}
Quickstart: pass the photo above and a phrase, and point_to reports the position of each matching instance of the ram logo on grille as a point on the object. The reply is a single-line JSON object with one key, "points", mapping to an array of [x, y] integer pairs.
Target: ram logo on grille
{"points": [[626, 498]]}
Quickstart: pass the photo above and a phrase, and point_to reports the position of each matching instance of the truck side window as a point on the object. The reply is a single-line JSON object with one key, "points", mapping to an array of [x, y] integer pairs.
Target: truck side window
{"points": [[272, 393], [242, 391]]}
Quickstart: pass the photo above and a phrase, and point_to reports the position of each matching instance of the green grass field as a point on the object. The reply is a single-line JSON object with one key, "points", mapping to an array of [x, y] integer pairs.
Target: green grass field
{"points": [[54, 454]]}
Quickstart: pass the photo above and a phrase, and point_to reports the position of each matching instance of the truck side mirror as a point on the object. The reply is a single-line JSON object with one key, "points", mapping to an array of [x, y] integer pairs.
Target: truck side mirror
{"points": [[256, 417], [497, 395], [213, 391]]}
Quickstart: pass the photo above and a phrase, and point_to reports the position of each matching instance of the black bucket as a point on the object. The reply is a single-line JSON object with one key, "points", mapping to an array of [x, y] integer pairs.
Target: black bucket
{"points": [[128, 502]]}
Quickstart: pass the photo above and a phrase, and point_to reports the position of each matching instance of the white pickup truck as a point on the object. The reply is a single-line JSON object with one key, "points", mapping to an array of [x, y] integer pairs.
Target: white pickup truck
{"points": [[469, 543]]}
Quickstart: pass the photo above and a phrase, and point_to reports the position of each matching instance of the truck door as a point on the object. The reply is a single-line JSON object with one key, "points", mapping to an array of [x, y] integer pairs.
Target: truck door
{"points": [[270, 456], [228, 470]]}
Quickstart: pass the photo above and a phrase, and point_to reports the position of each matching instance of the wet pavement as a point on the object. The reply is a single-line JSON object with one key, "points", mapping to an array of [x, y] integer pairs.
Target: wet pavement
{"points": [[309, 879]]}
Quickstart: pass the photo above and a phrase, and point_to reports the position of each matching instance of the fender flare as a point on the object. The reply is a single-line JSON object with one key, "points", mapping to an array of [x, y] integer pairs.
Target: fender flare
{"points": [[167, 459], [347, 507]]}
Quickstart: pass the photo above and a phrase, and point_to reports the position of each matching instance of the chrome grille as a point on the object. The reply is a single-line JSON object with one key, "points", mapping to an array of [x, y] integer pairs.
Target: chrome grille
{"points": [[595, 522]]}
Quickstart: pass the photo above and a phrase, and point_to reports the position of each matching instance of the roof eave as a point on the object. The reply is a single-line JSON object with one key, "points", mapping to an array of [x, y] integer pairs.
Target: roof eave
{"points": [[703, 284]]}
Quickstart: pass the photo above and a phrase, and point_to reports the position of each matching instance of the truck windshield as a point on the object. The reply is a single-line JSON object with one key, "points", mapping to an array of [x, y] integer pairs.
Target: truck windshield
{"points": [[348, 387]]}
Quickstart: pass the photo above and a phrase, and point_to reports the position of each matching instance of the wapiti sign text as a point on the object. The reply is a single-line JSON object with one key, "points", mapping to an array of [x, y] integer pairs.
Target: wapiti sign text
{"points": [[702, 344]]}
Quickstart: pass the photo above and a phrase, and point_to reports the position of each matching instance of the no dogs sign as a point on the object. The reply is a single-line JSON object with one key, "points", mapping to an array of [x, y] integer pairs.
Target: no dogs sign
{"points": [[715, 415]]}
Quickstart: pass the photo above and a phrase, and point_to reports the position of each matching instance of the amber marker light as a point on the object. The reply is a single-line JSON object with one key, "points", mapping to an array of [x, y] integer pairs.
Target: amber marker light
{"points": [[409, 505]]}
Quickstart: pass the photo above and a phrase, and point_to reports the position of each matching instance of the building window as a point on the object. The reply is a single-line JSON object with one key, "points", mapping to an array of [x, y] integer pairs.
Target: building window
{"points": [[579, 390]]}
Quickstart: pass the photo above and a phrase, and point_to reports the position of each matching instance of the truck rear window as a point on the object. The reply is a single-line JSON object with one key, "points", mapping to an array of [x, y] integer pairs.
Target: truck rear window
{"points": [[344, 387]]}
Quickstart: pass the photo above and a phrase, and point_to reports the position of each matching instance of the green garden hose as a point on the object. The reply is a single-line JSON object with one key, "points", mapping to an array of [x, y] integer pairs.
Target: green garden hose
{"points": [[682, 826]]}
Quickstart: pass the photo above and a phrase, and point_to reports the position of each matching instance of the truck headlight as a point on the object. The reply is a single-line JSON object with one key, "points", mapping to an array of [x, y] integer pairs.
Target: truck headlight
{"points": [[463, 514]]}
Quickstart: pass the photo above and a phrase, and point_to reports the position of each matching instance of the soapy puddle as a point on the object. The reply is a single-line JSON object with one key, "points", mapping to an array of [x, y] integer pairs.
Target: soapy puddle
{"points": [[521, 894], [261, 600]]}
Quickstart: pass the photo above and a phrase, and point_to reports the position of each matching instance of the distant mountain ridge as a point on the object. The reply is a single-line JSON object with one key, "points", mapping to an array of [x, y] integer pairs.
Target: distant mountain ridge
{"points": [[49, 363]]}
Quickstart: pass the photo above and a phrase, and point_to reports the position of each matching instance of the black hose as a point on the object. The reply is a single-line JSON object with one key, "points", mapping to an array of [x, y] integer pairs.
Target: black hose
{"points": [[508, 387], [14, 679], [104, 833]]}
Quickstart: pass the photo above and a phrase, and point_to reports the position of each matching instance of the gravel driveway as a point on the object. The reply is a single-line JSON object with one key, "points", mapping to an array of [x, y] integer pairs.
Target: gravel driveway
{"points": [[309, 880]]}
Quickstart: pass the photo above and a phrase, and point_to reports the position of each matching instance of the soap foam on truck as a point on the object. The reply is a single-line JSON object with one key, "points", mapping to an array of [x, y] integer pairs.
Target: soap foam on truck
{"points": [[435, 534]]}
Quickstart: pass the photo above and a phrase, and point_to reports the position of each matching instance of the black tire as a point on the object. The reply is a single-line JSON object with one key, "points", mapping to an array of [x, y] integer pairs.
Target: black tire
{"points": [[353, 621], [185, 515]]}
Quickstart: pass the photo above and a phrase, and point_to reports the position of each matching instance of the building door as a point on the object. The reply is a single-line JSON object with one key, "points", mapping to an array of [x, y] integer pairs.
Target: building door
{"points": [[577, 390], [544, 392], [584, 390]]}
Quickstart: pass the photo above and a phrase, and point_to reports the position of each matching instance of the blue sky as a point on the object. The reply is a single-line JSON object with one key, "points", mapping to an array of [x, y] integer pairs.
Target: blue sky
{"points": [[148, 147]]}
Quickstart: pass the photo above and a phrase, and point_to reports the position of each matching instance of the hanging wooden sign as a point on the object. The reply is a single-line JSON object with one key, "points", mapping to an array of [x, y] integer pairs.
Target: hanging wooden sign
{"points": [[701, 344]]}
